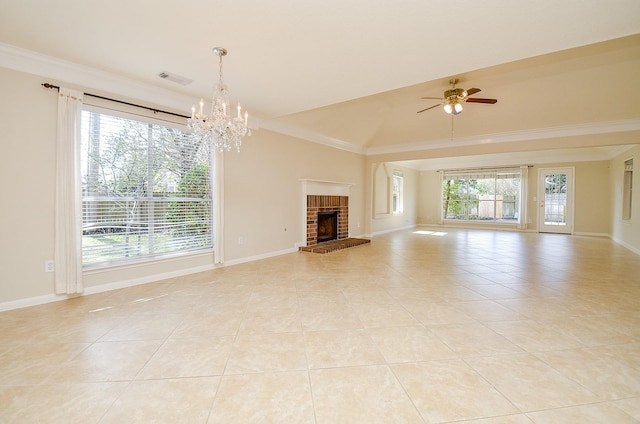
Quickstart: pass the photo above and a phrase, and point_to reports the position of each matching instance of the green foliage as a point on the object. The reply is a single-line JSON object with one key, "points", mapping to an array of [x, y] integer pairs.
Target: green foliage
{"points": [[459, 196], [147, 180], [196, 182], [556, 183], [192, 218], [475, 199]]}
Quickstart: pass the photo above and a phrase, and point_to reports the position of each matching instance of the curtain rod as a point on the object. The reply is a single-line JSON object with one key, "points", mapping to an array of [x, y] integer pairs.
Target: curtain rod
{"points": [[47, 85]]}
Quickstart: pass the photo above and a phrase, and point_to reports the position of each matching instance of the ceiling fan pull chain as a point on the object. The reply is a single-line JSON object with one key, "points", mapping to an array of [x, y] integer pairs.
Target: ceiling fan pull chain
{"points": [[452, 128]]}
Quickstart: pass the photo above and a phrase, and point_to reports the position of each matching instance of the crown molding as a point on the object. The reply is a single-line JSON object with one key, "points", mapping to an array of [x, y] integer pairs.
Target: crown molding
{"points": [[27, 61], [30, 62], [574, 155], [515, 136], [314, 137], [86, 77]]}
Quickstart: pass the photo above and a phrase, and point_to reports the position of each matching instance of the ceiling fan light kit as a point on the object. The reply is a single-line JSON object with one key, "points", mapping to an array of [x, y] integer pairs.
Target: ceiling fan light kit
{"points": [[454, 97]]}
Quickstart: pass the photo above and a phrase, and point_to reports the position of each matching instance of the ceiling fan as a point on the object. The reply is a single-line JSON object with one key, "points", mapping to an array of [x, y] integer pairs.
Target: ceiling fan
{"points": [[454, 97]]}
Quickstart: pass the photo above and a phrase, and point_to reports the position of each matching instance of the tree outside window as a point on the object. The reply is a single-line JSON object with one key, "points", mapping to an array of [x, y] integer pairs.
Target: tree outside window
{"points": [[146, 190], [481, 196]]}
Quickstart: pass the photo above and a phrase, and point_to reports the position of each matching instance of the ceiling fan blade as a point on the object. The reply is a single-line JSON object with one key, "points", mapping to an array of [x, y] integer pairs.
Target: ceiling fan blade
{"points": [[434, 98], [472, 91], [479, 100], [431, 107]]}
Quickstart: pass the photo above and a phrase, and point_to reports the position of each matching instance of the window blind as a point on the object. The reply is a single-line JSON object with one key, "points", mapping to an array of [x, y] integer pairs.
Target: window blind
{"points": [[482, 174], [146, 189]]}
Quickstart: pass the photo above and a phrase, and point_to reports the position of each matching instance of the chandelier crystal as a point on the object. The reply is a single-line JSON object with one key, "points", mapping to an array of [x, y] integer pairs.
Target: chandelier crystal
{"points": [[225, 131]]}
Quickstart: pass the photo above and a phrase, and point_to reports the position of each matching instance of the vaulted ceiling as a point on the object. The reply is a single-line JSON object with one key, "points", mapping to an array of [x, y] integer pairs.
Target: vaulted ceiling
{"points": [[352, 73]]}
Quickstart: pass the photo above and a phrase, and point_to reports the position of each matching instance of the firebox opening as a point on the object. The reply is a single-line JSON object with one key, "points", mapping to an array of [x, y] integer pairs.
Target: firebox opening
{"points": [[327, 226]]}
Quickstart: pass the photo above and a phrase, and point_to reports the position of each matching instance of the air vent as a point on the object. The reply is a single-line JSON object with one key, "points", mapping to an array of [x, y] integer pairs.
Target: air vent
{"points": [[175, 78]]}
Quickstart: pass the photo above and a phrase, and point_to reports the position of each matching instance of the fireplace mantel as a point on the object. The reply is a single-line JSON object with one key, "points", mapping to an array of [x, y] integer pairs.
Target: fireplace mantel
{"points": [[320, 187]]}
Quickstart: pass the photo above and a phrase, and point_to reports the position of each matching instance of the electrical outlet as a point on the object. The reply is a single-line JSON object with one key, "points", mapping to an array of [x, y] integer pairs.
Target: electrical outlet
{"points": [[49, 266], [240, 240]]}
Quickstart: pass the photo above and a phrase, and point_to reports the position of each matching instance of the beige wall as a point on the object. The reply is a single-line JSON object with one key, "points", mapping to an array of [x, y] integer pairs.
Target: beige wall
{"points": [[27, 140], [263, 191], [27, 212], [262, 187], [263, 197], [592, 211], [592, 200], [626, 233], [383, 220]]}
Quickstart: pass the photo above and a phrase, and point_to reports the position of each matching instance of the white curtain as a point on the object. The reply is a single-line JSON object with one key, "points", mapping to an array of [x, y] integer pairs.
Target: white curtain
{"points": [[524, 193], [68, 208], [218, 213], [441, 219]]}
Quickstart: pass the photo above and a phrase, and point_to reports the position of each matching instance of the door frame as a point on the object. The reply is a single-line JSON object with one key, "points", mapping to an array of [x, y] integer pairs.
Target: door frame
{"points": [[570, 211]]}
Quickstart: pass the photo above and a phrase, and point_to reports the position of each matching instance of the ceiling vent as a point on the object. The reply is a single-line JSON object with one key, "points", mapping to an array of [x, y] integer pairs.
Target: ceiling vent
{"points": [[175, 78]]}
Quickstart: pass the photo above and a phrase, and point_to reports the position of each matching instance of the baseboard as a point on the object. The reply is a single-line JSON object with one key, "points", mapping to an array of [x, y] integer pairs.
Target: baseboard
{"points": [[453, 226], [50, 298], [261, 256], [393, 230], [580, 233], [146, 279], [32, 301], [626, 245]]}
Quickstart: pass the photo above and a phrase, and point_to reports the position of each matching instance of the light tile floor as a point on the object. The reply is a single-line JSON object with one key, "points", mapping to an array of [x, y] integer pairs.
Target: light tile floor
{"points": [[472, 326]]}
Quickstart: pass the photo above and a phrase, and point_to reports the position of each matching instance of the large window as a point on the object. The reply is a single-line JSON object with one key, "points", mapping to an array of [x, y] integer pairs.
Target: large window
{"points": [[486, 195], [146, 189]]}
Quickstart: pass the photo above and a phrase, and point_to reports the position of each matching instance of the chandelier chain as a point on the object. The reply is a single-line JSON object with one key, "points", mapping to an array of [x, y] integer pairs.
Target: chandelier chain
{"points": [[220, 80]]}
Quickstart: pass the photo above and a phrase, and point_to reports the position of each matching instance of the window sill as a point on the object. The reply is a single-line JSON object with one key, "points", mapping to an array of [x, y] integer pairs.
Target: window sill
{"points": [[454, 222], [98, 268]]}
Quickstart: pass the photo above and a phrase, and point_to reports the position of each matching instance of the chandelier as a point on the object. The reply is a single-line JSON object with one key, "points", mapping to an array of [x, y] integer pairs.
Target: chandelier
{"points": [[225, 131]]}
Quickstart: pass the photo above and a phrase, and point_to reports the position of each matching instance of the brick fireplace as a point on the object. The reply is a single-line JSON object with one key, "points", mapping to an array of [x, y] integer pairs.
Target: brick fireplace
{"points": [[326, 198], [324, 205]]}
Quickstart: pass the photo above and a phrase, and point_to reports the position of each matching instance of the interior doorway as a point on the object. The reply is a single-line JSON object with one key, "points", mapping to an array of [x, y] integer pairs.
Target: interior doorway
{"points": [[555, 200]]}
